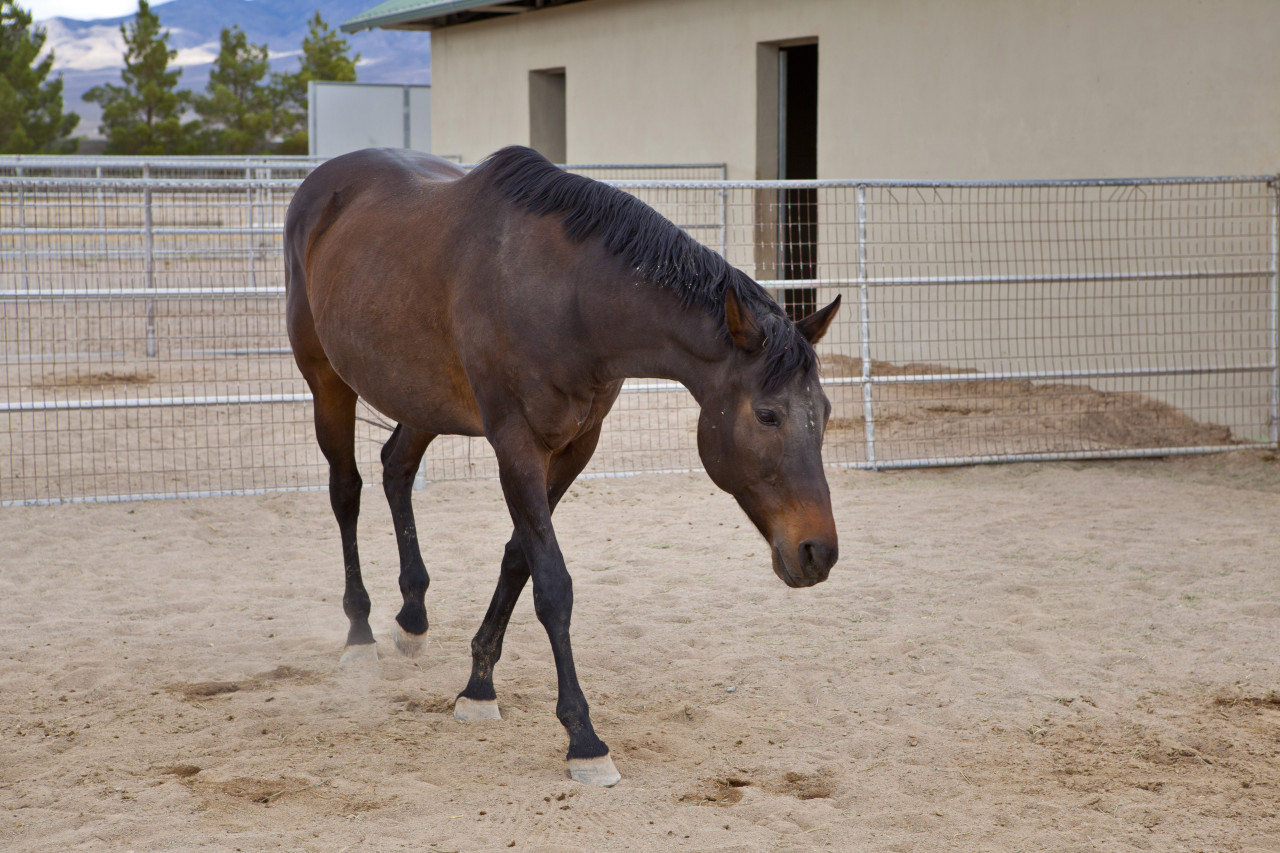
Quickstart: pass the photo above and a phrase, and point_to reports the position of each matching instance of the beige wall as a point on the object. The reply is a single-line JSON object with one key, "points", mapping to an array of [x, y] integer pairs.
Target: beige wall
{"points": [[947, 89]]}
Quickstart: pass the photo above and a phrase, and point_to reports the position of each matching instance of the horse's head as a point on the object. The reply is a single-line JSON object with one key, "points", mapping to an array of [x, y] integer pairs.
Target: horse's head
{"points": [[761, 442]]}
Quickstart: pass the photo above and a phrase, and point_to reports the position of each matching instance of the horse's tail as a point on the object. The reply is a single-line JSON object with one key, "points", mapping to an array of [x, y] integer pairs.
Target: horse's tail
{"points": [[303, 227], [329, 215], [314, 209]]}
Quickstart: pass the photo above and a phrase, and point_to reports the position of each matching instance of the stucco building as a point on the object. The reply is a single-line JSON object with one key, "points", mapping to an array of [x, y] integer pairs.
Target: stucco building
{"points": [[947, 89]]}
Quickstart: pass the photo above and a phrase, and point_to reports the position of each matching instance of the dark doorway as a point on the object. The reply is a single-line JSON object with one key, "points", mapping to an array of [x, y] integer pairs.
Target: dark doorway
{"points": [[547, 133], [798, 160]]}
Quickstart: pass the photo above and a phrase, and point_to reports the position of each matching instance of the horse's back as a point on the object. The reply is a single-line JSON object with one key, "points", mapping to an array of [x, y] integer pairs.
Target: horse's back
{"points": [[359, 167]]}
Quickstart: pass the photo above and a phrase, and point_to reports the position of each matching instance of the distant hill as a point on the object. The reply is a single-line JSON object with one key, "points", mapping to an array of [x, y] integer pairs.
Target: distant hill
{"points": [[89, 53]]}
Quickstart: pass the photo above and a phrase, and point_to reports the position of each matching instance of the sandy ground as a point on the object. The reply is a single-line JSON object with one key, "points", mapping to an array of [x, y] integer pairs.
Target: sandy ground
{"points": [[1071, 657]]}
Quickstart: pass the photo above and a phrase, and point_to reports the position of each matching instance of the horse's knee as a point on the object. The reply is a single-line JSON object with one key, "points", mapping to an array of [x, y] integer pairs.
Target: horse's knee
{"points": [[344, 492], [553, 599]]}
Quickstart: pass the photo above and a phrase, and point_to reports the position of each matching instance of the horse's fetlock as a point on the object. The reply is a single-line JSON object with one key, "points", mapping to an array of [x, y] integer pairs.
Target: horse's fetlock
{"points": [[480, 688], [413, 620], [575, 717], [583, 742], [414, 581], [357, 605]]}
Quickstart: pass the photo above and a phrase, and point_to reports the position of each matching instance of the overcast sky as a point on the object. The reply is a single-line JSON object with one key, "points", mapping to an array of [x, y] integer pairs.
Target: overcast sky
{"points": [[83, 10]]}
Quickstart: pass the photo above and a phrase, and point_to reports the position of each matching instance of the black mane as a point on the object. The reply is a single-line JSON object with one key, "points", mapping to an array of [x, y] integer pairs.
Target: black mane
{"points": [[650, 244]]}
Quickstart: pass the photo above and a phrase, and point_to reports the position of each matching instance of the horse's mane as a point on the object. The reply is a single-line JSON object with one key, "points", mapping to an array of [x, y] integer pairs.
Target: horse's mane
{"points": [[650, 244]]}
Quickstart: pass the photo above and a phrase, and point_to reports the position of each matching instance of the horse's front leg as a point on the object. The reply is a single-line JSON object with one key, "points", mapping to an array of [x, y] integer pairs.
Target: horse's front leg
{"points": [[523, 471], [479, 700], [400, 458]]}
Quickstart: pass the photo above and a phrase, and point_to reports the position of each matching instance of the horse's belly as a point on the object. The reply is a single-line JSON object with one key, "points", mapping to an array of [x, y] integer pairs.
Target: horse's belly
{"points": [[427, 412], [418, 390]]}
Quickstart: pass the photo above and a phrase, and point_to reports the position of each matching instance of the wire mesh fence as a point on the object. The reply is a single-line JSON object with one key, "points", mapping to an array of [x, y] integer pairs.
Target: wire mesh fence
{"points": [[1020, 320], [143, 350]]}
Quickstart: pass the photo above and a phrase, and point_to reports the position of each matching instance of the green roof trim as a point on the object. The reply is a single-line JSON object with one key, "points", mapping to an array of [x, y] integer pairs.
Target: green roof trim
{"points": [[420, 15], [400, 11]]}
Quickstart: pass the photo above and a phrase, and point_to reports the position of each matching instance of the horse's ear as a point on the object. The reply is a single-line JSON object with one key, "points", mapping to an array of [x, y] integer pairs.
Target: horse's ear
{"points": [[743, 327], [816, 324]]}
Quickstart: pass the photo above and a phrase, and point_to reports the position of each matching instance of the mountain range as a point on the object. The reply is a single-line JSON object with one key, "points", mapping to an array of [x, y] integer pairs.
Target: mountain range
{"points": [[90, 53]]}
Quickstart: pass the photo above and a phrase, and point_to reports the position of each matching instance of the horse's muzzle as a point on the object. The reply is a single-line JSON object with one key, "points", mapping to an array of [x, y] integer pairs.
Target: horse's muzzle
{"points": [[808, 564]]}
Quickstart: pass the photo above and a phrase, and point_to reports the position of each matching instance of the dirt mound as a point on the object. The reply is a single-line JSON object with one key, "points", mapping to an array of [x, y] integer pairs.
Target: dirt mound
{"points": [[957, 419]]}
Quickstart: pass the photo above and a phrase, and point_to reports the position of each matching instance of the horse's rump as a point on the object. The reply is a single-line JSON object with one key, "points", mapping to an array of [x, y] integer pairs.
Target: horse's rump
{"points": [[367, 284]]}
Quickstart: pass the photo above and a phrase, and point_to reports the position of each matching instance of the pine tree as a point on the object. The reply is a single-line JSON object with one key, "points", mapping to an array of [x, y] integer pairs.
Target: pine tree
{"points": [[144, 116], [324, 57], [238, 111], [31, 117]]}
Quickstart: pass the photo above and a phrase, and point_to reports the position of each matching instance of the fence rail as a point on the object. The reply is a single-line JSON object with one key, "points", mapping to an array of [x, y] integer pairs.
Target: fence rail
{"points": [[293, 168], [143, 352]]}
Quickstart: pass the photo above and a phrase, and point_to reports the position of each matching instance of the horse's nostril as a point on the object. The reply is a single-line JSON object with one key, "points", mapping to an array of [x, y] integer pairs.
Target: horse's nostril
{"points": [[817, 557]]}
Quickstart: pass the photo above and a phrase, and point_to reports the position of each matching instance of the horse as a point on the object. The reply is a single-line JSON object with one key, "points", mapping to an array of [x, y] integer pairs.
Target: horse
{"points": [[511, 302]]}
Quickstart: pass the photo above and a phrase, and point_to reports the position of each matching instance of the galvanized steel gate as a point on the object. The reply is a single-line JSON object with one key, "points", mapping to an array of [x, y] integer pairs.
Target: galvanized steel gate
{"points": [[143, 349]]}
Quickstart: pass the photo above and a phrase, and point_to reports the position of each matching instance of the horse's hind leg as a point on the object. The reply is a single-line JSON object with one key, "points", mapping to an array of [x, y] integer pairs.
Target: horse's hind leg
{"points": [[335, 416], [479, 700], [400, 457]]}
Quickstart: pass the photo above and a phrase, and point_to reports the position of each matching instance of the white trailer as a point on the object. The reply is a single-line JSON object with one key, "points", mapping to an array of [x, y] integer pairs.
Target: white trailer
{"points": [[344, 117]]}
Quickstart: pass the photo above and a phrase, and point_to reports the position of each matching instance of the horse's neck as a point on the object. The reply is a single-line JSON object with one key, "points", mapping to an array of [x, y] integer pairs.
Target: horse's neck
{"points": [[657, 338]]}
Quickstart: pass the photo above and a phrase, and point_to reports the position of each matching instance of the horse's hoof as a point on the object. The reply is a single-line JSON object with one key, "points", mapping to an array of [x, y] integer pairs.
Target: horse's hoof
{"points": [[594, 771], [363, 653], [472, 710], [409, 645]]}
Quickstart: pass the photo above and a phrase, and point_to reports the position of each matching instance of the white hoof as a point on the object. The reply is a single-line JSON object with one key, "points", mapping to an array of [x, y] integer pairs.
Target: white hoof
{"points": [[472, 710], [363, 653], [409, 645], [594, 771]]}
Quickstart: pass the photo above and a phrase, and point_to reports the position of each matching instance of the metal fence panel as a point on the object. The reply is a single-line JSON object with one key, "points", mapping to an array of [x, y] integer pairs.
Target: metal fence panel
{"points": [[143, 352]]}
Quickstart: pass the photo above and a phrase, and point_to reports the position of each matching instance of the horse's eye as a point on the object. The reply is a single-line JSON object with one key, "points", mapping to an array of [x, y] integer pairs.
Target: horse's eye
{"points": [[767, 417]]}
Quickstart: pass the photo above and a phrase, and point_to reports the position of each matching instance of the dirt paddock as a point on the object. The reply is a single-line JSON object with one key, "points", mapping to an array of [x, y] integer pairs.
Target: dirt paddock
{"points": [[1069, 657]]}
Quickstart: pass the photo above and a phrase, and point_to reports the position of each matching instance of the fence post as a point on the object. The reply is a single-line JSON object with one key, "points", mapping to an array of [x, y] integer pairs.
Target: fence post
{"points": [[724, 223], [148, 241], [724, 213], [253, 257], [864, 320], [267, 197], [22, 223], [1275, 312], [102, 213]]}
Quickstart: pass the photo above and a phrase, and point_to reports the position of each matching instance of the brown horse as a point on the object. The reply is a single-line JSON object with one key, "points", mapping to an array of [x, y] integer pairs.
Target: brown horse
{"points": [[512, 302]]}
